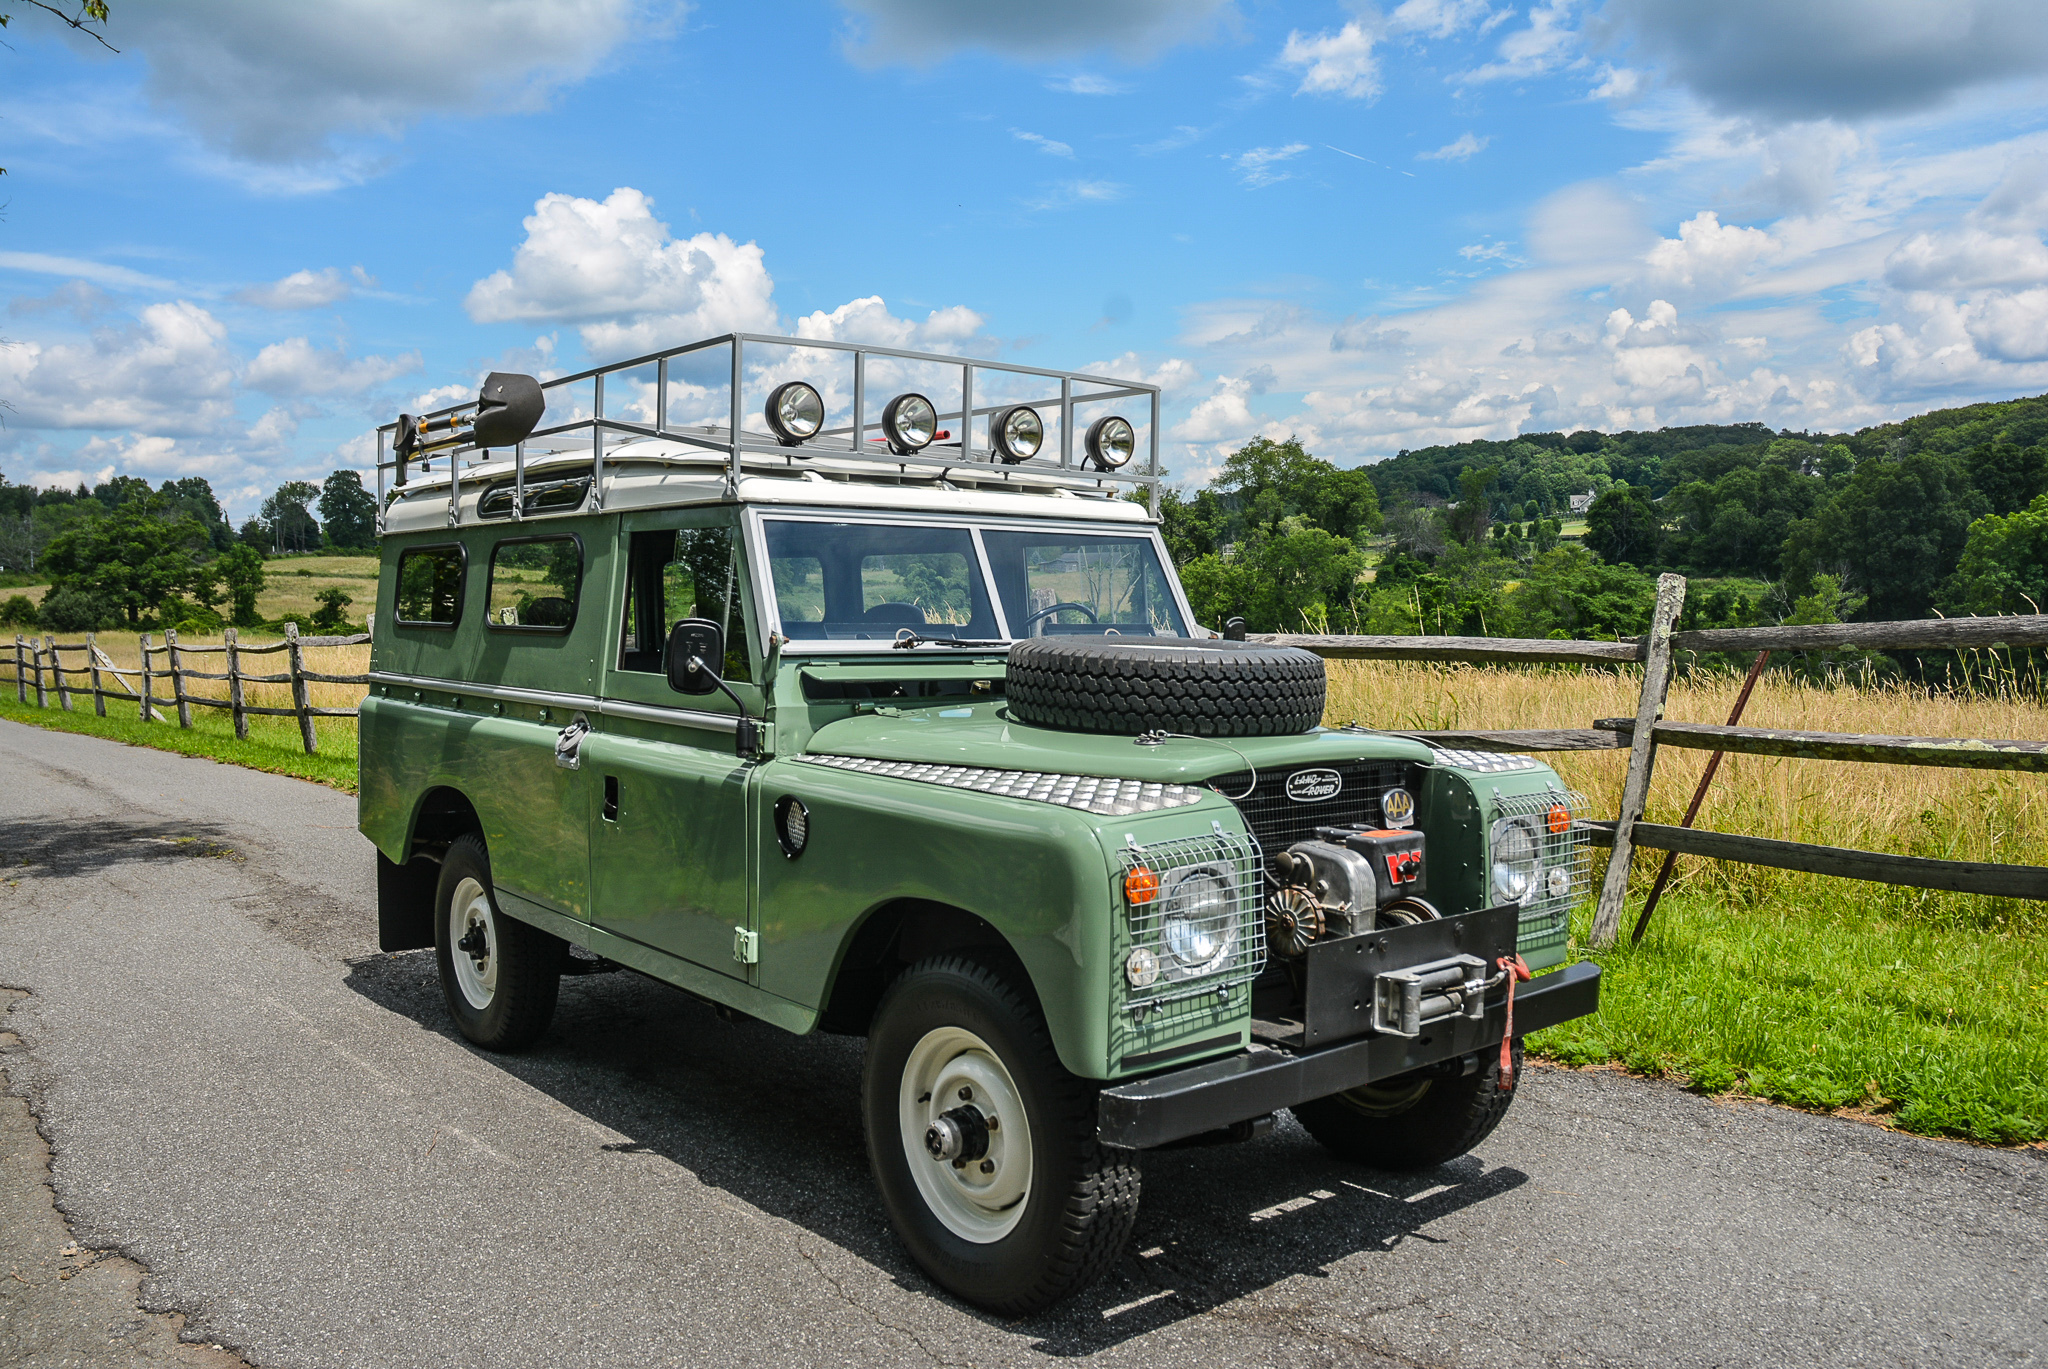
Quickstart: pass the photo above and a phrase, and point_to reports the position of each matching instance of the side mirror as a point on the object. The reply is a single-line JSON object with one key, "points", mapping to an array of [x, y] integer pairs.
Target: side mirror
{"points": [[696, 649]]}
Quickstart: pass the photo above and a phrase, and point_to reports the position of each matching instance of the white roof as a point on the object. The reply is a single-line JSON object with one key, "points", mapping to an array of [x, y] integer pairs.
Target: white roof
{"points": [[656, 474]]}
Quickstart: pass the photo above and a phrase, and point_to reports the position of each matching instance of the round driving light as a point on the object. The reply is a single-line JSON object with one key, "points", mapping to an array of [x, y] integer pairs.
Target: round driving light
{"points": [[1110, 442], [1514, 861], [795, 413], [1558, 882], [1017, 433], [1142, 969], [792, 825], [1141, 885], [910, 423]]}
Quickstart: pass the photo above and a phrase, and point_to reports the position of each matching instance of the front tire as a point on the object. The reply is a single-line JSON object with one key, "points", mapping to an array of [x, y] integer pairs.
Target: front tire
{"points": [[1012, 1216], [498, 975], [1416, 1121]]}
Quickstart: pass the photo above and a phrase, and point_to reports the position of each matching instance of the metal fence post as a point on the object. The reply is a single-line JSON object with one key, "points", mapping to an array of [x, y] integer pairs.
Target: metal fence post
{"points": [[1635, 790], [143, 698], [178, 678], [57, 672], [294, 654], [92, 664], [235, 687]]}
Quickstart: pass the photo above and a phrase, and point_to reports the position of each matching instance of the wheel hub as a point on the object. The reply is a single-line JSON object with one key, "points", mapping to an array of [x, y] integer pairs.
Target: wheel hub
{"points": [[965, 1134], [960, 1135]]}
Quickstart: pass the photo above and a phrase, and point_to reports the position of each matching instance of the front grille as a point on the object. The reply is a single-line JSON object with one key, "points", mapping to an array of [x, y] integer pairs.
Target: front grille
{"points": [[1278, 821]]}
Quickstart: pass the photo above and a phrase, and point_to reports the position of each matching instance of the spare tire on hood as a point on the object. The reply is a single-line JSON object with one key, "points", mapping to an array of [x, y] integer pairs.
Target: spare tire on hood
{"points": [[1203, 687]]}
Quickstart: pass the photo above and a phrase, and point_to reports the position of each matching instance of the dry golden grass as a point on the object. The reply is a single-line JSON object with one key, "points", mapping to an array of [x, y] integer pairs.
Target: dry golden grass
{"points": [[1912, 810]]}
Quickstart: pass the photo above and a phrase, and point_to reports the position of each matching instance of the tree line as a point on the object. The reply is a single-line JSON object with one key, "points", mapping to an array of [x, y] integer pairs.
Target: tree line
{"points": [[121, 554]]}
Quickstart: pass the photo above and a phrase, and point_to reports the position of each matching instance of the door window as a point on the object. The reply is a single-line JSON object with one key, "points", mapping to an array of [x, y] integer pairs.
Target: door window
{"points": [[430, 586], [679, 573], [535, 582]]}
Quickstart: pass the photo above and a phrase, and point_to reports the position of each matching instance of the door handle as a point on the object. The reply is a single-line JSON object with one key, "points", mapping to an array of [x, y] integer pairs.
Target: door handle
{"points": [[611, 798]]}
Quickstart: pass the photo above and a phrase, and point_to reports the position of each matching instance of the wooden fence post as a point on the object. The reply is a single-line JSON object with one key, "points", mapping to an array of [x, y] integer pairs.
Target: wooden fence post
{"points": [[35, 655], [20, 669], [92, 663], [57, 670], [146, 690], [1642, 755], [295, 656], [178, 678], [235, 687]]}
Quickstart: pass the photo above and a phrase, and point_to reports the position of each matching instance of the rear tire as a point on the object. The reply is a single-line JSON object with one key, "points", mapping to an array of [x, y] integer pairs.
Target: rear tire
{"points": [[1416, 1121], [1039, 1208], [498, 975]]}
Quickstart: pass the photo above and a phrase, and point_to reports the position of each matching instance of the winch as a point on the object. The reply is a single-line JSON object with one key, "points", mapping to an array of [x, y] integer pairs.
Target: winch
{"points": [[1348, 879]]}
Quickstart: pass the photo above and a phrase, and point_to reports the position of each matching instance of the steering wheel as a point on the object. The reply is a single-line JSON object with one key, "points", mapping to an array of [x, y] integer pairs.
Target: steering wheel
{"points": [[894, 612], [1051, 609]]}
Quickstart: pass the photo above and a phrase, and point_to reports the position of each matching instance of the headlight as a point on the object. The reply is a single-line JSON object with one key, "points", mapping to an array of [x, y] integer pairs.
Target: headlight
{"points": [[1017, 433], [1515, 854], [1110, 442], [1197, 922], [909, 422], [795, 412]]}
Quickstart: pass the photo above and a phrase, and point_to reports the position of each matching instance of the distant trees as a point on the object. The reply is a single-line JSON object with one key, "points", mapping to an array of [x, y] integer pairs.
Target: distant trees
{"points": [[1624, 527], [123, 566], [348, 512], [2004, 566], [1894, 533], [291, 523]]}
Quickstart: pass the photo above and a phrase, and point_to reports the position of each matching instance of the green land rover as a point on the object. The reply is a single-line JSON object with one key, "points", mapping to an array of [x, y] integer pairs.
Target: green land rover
{"points": [[900, 725]]}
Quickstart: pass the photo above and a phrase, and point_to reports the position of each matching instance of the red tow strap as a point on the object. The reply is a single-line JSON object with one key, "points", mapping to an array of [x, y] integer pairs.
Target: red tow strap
{"points": [[1515, 968]]}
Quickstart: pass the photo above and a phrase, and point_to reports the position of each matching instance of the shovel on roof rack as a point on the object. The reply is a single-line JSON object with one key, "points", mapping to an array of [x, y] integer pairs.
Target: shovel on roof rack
{"points": [[507, 408]]}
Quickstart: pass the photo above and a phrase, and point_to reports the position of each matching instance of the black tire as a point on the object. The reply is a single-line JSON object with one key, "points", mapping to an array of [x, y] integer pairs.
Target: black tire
{"points": [[1416, 1121], [1082, 1198], [520, 1001], [1206, 688]]}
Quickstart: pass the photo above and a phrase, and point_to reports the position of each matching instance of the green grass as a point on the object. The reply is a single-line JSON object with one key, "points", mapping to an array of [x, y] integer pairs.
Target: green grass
{"points": [[1841, 1001], [273, 743]]}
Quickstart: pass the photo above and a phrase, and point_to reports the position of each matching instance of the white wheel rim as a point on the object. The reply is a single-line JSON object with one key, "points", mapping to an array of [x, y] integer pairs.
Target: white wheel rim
{"points": [[977, 1204], [475, 975]]}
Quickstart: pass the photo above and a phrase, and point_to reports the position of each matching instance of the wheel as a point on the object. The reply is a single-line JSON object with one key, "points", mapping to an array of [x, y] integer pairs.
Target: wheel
{"points": [[1202, 687], [1414, 1121], [499, 975], [984, 1147]]}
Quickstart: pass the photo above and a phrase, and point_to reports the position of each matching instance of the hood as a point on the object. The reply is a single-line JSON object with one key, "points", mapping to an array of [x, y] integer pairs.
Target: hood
{"points": [[983, 734]]}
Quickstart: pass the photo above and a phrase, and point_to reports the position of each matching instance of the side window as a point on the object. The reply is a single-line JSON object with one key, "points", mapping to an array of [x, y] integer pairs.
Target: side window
{"points": [[534, 583], [683, 573], [430, 586]]}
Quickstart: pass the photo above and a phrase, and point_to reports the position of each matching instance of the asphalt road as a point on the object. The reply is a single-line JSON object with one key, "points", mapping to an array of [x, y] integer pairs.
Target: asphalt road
{"points": [[282, 1127]]}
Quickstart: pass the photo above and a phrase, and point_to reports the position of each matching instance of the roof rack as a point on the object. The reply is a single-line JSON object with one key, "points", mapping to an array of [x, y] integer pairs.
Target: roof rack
{"points": [[854, 438]]}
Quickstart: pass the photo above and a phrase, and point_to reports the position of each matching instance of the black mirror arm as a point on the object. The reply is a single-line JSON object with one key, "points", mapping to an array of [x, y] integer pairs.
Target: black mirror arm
{"points": [[697, 663]]}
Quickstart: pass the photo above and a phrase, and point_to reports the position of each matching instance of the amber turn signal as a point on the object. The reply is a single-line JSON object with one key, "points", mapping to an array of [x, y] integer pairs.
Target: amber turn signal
{"points": [[1560, 819], [1141, 885]]}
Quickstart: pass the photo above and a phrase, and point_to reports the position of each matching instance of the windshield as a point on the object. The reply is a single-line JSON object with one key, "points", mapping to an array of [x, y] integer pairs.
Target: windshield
{"points": [[856, 582]]}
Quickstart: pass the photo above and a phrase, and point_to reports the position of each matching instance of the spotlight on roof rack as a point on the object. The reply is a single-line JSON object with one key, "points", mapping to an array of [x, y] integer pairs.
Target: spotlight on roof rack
{"points": [[795, 412], [910, 423], [1110, 442], [1017, 433]]}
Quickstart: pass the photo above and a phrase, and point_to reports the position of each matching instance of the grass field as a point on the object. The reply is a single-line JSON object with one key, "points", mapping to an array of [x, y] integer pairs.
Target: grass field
{"points": [[1926, 1010], [290, 582]]}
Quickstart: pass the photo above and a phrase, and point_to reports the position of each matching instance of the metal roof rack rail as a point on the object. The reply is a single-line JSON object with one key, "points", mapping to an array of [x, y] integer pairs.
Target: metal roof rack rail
{"points": [[406, 442]]}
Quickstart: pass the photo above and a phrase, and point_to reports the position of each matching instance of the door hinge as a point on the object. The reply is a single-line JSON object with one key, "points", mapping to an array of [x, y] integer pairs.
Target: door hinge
{"points": [[746, 946]]}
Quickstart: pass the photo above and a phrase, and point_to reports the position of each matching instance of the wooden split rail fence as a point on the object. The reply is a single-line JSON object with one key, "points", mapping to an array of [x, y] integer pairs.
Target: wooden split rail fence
{"points": [[39, 665], [1643, 734]]}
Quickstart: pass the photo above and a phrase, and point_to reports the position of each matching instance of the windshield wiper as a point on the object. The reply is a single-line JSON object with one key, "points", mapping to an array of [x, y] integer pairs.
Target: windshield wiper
{"points": [[906, 639]]}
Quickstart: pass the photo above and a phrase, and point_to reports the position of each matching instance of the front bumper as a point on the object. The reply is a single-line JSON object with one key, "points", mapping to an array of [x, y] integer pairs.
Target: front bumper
{"points": [[1171, 1107]]}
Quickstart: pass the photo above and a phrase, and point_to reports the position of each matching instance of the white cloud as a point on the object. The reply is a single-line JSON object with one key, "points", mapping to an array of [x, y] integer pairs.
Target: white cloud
{"points": [[307, 289], [1340, 63], [1966, 258], [1546, 45], [114, 277], [1067, 194], [613, 270], [1087, 83], [277, 83], [1707, 252], [1051, 147], [296, 367], [1464, 149], [170, 374], [1261, 165], [920, 33]]}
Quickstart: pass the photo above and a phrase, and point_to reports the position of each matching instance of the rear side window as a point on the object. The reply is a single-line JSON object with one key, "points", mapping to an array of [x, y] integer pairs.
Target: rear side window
{"points": [[535, 582], [430, 586]]}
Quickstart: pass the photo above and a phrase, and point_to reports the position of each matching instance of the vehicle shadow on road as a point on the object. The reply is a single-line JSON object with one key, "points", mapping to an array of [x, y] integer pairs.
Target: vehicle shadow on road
{"points": [[775, 1120], [65, 846]]}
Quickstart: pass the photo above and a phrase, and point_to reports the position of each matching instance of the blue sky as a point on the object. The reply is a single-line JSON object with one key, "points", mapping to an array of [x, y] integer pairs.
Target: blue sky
{"points": [[262, 229]]}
